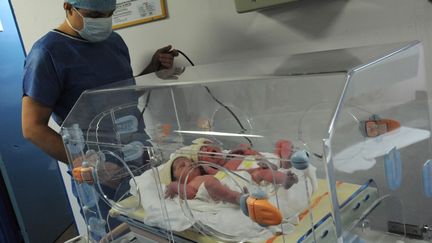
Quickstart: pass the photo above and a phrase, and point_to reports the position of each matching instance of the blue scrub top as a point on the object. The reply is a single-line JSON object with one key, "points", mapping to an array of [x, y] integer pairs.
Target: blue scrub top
{"points": [[60, 67]]}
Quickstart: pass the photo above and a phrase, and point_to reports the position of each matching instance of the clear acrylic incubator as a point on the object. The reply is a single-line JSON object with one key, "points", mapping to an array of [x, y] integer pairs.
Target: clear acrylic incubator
{"points": [[331, 146]]}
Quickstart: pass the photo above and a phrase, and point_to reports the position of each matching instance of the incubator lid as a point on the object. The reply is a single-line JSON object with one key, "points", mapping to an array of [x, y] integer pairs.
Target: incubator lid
{"points": [[320, 62], [314, 63]]}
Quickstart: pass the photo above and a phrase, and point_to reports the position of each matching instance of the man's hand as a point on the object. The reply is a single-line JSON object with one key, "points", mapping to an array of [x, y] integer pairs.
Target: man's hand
{"points": [[163, 58]]}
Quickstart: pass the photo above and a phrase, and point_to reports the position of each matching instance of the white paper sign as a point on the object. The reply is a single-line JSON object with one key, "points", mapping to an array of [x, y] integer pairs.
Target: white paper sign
{"points": [[131, 12], [1, 26]]}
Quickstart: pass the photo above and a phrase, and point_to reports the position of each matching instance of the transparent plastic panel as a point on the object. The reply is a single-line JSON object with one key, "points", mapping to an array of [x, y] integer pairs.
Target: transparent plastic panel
{"points": [[244, 155], [380, 142]]}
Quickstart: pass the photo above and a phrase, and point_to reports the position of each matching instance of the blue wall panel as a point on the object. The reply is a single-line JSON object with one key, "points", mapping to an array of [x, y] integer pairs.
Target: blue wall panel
{"points": [[33, 179]]}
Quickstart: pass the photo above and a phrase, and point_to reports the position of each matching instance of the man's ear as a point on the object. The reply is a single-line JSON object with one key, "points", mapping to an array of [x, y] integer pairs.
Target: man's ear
{"points": [[67, 7]]}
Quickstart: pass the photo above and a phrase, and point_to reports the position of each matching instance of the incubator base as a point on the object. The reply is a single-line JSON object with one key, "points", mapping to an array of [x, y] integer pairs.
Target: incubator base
{"points": [[355, 198]]}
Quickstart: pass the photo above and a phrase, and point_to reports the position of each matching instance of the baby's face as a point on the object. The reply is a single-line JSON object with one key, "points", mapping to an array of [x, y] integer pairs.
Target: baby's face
{"points": [[212, 154], [181, 167]]}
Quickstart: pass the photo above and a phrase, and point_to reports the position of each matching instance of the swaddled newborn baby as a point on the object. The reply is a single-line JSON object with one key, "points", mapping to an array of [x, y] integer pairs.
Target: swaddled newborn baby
{"points": [[184, 176], [183, 162], [188, 181]]}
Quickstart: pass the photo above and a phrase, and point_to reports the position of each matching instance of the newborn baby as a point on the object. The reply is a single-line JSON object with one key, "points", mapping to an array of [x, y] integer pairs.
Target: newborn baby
{"points": [[191, 178], [184, 178], [245, 158]]}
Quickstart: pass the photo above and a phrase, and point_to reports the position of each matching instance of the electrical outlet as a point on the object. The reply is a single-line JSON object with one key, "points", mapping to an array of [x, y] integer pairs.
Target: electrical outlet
{"points": [[251, 5]]}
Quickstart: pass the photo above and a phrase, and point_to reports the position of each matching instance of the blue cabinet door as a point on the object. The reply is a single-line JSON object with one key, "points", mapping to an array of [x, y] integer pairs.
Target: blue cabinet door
{"points": [[32, 178], [9, 229]]}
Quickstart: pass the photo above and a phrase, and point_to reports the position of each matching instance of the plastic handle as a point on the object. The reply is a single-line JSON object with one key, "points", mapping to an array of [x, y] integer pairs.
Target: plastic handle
{"points": [[427, 178], [126, 124], [393, 169], [133, 150], [300, 160]]}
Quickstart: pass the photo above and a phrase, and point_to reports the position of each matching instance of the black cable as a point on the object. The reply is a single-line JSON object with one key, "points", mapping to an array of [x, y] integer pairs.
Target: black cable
{"points": [[146, 104], [187, 58], [220, 103], [232, 113]]}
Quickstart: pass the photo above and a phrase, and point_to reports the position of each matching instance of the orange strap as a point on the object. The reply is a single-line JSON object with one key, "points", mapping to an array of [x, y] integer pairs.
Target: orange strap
{"points": [[316, 202], [270, 240]]}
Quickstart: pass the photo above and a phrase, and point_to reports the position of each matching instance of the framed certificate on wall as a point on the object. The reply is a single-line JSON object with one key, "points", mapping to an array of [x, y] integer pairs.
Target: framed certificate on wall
{"points": [[133, 12]]}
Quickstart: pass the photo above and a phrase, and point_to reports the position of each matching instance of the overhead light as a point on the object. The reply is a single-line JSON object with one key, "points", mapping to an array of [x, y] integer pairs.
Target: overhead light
{"points": [[227, 134]]}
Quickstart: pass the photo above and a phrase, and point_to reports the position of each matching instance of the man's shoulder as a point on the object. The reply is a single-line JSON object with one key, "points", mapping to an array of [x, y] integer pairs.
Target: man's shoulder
{"points": [[115, 38], [53, 39]]}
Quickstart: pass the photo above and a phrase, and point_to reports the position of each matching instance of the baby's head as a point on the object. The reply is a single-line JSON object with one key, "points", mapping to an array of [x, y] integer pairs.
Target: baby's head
{"points": [[212, 154], [182, 168], [177, 168], [205, 150]]}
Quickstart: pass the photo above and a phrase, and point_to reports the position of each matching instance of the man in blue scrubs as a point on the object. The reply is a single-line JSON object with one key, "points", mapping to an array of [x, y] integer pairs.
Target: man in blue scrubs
{"points": [[82, 53]]}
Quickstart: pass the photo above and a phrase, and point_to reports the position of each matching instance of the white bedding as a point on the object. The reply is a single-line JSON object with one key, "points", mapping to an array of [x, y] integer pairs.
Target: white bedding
{"points": [[222, 217]]}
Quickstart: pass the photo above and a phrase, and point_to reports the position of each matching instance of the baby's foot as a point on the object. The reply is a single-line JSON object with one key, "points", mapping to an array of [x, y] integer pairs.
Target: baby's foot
{"points": [[290, 180]]}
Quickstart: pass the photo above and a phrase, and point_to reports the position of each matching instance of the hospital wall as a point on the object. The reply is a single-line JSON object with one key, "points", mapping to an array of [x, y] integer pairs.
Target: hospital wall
{"points": [[212, 31]]}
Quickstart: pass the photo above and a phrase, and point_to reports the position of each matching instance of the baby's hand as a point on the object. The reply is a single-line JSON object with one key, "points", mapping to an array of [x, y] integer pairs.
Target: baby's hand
{"points": [[171, 190], [290, 180]]}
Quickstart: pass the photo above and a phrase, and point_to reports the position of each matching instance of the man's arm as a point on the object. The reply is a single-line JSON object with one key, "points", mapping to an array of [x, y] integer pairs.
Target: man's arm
{"points": [[34, 118]]}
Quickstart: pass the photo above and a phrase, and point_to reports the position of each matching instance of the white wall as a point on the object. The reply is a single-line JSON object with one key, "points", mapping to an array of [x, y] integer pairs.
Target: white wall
{"points": [[211, 30]]}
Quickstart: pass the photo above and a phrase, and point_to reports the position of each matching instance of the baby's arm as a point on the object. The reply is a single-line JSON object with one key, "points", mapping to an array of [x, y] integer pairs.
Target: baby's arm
{"points": [[284, 150], [210, 170], [173, 189]]}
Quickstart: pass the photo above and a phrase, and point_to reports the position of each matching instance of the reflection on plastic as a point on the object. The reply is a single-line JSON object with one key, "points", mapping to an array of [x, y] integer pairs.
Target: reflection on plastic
{"points": [[427, 178], [376, 126], [97, 226], [393, 168], [75, 139], [88, 195], [170, 74]]}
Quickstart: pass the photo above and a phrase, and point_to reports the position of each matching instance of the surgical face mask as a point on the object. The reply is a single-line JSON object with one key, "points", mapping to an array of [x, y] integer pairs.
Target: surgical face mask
{"points": [[94, 29]]}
